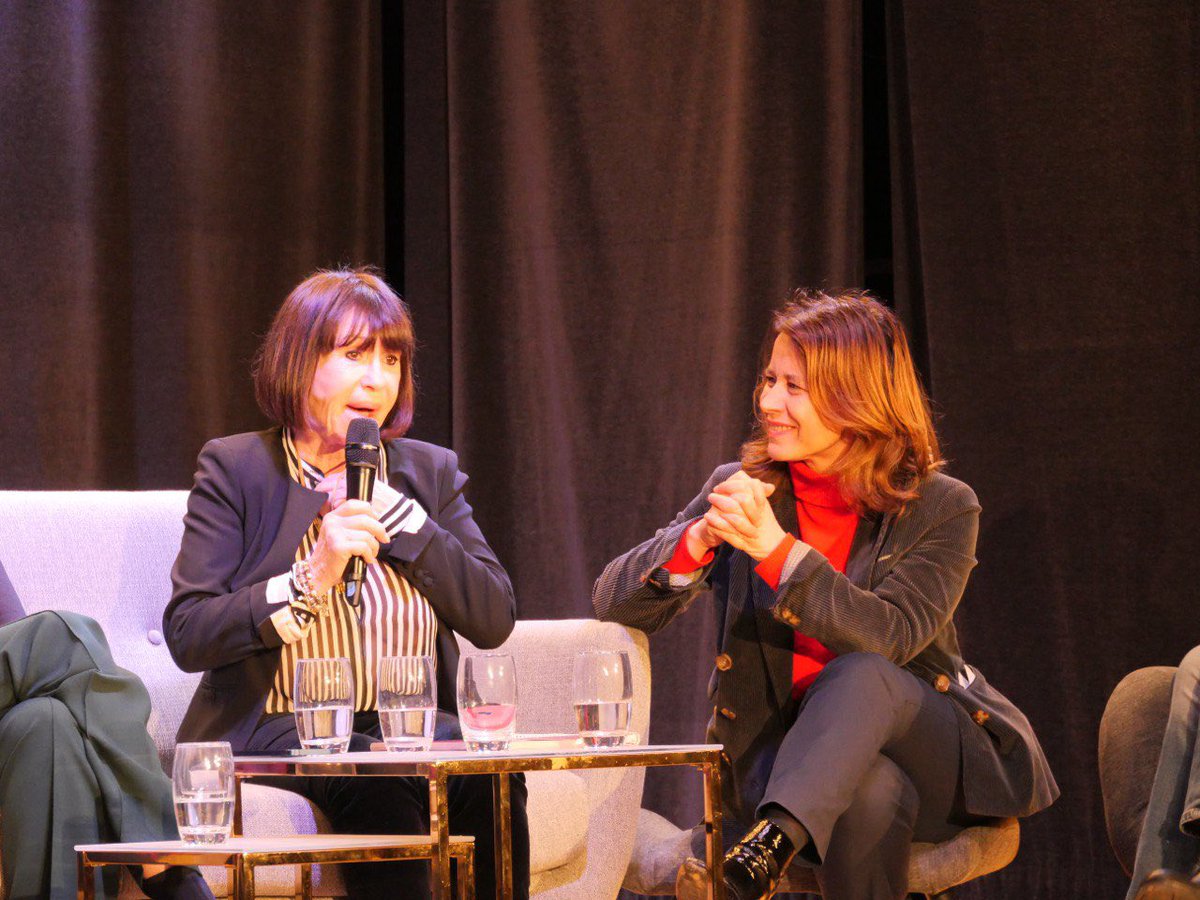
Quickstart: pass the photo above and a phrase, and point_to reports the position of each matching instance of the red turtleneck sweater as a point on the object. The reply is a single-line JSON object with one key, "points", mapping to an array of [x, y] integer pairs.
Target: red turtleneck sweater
{"points": [[827, 524]]}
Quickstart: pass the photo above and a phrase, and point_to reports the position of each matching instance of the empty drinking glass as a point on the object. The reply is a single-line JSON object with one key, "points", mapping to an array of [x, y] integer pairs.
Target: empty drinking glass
{"points": [[602, 693], [487, 700], [202, 785], [323, 697], [407, 701]]}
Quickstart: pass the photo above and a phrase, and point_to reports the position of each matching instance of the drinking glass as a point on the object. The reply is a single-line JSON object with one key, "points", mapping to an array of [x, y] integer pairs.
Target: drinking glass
{"points": [[202, 786], [487, 700], [602, 692], [323, 697], [407, 701]]}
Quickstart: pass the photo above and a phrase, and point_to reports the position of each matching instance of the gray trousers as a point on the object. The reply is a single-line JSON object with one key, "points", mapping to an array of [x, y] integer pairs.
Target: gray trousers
{"points": [[1170, 837], [76, 763], [871, 764]]}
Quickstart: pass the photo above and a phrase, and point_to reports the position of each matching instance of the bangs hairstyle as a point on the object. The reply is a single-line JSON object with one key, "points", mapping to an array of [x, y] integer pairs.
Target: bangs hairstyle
{"points": [[307, 327], [863, 385]]}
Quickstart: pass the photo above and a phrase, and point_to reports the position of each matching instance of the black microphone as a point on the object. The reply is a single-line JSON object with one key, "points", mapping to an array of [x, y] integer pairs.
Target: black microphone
{"points": [[362, 459]]}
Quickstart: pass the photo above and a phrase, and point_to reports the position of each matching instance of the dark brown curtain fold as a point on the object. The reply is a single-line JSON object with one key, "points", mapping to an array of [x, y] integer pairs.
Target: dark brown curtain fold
{"points": [[167, 172], [1046, 176], [632, 187]]}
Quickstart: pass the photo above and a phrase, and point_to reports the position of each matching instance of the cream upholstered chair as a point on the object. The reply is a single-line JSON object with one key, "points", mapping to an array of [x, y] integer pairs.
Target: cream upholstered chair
{"points": [[933, 868], [127, 541]]}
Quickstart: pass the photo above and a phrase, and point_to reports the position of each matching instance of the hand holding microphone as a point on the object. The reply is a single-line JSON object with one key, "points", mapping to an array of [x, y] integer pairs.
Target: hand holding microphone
{"points": [[351, 532]]}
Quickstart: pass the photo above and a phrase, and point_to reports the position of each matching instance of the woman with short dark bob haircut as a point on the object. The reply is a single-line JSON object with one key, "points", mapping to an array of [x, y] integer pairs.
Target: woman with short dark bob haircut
{"points": [[836, 551], [268, 534]]}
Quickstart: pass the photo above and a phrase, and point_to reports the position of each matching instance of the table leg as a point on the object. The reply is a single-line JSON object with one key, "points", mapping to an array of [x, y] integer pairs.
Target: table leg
{"points": [[306, 882], [86, 877], [237, 806], [712, 830], [466, 874], [502, 832], [439, 832], [241, 890]]}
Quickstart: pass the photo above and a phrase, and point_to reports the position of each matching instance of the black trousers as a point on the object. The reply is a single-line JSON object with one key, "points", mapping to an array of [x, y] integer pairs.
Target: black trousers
{"points": [[872, 763], [377, 805]]}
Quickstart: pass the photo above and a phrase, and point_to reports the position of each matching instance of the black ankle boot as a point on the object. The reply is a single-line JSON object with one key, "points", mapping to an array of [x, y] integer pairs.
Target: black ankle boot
{"points": [[752, 868], [756, 863]]}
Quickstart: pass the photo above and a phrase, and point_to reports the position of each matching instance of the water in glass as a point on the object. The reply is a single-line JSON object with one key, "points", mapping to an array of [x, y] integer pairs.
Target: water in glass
{"points": [[602, 694], [407, 701], [603, 723], [324, 727], [203, 790], [323, 700]]}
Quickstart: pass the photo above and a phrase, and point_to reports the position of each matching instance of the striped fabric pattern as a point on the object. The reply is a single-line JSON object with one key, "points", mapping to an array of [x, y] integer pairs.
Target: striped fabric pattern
{"points": [[393, 618]]}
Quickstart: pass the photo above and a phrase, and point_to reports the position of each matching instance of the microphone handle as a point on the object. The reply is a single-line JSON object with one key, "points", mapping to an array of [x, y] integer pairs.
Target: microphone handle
{"points": [[360, 485]]}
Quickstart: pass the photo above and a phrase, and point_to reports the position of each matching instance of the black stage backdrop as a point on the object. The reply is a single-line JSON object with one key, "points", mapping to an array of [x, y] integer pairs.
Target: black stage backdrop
{"points": [[591, 207]]}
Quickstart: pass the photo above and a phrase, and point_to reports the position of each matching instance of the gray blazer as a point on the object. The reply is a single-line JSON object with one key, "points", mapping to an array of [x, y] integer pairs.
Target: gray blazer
{"points": [[904, 578], [244, 521]]}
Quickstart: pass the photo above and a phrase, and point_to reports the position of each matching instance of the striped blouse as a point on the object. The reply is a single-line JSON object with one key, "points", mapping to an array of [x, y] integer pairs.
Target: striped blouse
{"points": [[393, 617]]}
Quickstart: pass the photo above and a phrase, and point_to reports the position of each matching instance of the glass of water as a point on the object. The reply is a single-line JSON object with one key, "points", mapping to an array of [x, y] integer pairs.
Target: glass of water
{"points": [[487, 700], [602, 692], [323, 697], [202, 785], [407, 701]]}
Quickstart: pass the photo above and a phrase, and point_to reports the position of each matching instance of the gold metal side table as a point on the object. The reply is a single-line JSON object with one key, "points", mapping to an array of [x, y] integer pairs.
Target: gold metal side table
{"points": [[243, 855], [437, 765]]}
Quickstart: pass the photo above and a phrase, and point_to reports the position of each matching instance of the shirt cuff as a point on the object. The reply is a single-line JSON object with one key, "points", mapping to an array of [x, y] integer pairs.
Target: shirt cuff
{"points": [[397, 513], [286, 626], [279, 593], [683, 563], [770, 569], [279, 589]]}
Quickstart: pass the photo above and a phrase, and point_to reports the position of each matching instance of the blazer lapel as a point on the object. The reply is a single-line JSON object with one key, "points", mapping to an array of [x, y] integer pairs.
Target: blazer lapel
{"points": [[300, 507], [865, 548], [774, 637]]}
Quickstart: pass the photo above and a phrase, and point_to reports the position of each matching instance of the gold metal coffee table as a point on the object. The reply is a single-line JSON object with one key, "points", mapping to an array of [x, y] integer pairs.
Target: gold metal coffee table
{"points": [[243, 855], [438, 765]]}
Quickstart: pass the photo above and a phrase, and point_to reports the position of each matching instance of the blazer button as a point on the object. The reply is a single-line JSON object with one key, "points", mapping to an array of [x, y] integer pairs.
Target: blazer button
{"points": [[725, 759], [980, 717], [427, 581], [724, 662], [941, 684], [728, 713]]}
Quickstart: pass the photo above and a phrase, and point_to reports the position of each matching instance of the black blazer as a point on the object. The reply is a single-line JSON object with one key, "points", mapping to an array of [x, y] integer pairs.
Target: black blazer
{"points": [[244, 521], [904, 579]]}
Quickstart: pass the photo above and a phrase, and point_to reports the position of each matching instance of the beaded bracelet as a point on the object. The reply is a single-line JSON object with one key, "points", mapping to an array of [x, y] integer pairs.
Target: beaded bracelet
{"points": [[302, 588]]}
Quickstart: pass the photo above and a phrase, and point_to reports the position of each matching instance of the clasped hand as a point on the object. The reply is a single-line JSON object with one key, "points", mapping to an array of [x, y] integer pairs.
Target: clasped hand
{"points": [[741, 516]]}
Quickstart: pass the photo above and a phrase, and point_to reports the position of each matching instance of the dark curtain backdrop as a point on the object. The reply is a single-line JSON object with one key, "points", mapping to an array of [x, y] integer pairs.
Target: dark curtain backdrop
{"points": [[167, 172], [591, 208], [626, 204], [1046, 167]]}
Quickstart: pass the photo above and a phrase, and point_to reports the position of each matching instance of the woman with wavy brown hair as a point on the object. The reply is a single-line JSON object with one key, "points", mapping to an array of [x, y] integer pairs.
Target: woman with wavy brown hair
{"points": [[837, 552]]}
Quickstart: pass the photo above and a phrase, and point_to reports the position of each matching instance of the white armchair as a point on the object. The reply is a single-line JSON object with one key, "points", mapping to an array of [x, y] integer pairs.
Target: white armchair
{"points": [[581, 832]]}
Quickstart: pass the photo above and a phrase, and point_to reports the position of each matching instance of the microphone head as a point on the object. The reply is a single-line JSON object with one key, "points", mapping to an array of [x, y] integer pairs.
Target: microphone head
{"points": [[362, 442]]}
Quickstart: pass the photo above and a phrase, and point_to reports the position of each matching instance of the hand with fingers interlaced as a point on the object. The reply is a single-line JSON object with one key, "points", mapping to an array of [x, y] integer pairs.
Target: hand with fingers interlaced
{"points": [[742, 517]]}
